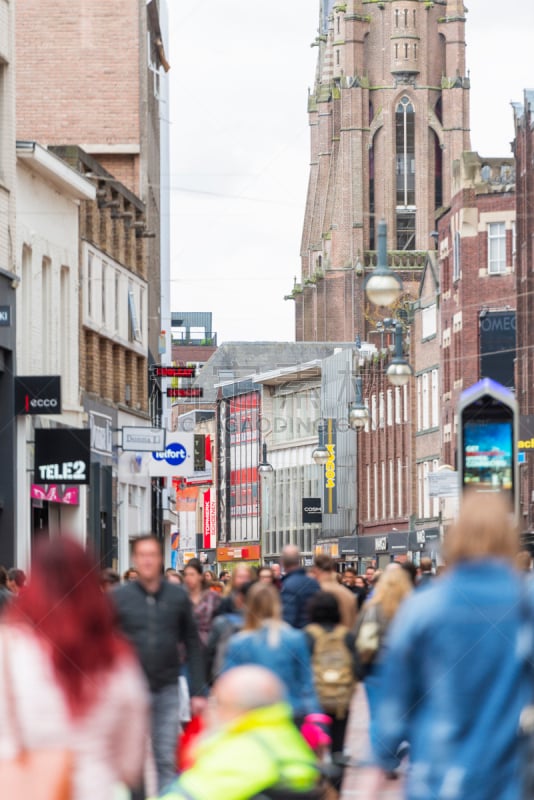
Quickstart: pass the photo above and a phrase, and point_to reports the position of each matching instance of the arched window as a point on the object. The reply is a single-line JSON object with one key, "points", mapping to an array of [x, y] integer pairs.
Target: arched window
{"points": [[405, 177], [397, 14], [405, 17]]}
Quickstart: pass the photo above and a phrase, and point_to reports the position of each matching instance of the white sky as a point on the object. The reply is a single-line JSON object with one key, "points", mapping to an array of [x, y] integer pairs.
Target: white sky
{"points": [[240, 72]]}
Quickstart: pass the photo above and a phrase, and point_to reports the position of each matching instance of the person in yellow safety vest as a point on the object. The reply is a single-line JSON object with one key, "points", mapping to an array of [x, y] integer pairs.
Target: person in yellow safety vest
{"points": [[251, 744]]}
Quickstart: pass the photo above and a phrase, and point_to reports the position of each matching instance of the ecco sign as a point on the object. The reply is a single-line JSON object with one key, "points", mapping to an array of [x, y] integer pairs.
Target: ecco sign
{"points": [[38, 394], [62, 455]]}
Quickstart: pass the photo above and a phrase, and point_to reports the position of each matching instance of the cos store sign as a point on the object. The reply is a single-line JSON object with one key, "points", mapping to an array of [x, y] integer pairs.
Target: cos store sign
{"points": [[62, 455]]}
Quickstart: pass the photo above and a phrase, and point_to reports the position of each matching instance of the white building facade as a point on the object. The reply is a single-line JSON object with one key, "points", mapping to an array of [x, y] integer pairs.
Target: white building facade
{"points": [[49, 193]]}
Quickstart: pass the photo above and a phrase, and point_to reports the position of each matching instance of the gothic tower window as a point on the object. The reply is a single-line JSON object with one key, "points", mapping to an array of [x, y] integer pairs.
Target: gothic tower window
{"points": [[415, 50], [414, 17], [405, 177], [405, 50], [396, 50], [397, 14], [405, 17]]}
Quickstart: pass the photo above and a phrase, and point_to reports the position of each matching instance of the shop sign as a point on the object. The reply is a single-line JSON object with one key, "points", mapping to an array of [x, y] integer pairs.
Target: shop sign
{"points": [[38, 394], [54, 493], [248, 553], [62, 455], [311, 509], [381, 544]]}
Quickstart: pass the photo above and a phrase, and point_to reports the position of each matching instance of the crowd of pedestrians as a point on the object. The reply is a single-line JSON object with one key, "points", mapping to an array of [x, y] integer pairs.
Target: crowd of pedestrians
{"points": [[115, 673]]}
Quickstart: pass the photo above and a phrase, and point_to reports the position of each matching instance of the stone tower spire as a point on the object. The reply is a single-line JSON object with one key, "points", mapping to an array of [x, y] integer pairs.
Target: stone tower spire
{"points": [[388, 115]]}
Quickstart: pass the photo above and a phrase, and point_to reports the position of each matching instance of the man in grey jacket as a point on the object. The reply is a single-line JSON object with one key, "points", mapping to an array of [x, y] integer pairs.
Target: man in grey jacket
{"points": [[157, 618]]}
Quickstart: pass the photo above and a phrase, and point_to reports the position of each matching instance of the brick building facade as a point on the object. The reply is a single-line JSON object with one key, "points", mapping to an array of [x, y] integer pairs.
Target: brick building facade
{"points": [[477, 256], [389, 113], [524, 151], [96, 85]]}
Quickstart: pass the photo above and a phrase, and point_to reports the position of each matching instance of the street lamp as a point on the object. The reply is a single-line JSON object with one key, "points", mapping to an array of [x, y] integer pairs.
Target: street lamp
{"points": [[264, 467], [399, 371], [383, 286], [321, 455], [358, 414]]}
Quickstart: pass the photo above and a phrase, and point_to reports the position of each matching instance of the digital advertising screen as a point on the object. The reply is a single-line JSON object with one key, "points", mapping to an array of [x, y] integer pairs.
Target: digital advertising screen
{"points": [[488, 448]]}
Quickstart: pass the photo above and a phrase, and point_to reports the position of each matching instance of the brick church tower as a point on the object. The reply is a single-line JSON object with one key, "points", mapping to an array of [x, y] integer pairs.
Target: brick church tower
{"points": [[389, 113]]}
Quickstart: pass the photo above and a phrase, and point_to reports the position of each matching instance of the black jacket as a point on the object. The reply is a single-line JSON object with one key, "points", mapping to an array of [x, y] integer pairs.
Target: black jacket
{"points": [[155, 624]]}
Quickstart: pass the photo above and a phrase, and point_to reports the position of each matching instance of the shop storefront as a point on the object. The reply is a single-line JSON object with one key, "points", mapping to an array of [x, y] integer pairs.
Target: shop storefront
{"points": [[378, 550], [426, 542], [228, 557]]}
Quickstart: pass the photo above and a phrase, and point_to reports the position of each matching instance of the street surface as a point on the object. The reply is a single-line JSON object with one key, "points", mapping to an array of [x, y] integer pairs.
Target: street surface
{"points": [[357, 746]]}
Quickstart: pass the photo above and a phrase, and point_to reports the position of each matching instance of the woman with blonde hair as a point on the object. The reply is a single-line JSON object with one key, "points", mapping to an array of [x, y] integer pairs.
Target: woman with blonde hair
{"points": [[266, 640], [391, 589], [455, 676]]}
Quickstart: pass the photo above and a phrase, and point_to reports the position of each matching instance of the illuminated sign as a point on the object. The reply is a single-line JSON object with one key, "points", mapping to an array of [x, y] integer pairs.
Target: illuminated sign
{"points": [[62, 455], [174, 372], [186, 391]]}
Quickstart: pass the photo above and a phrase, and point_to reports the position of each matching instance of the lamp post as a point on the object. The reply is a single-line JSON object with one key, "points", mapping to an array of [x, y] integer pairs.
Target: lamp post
{"points": [[320, 454], [264, 466], [399, 371], [358, 413], [383, 286]]}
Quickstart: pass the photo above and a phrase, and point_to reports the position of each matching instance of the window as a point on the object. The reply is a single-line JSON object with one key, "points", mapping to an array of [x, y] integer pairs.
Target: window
{"points": [[397, 15], [117, 295], [405, 172], [435, 399], [391, 489], [375, 478], [419, 403], [397, 405], [337, 57], [496, 248], [405, 17], [381, 411], [89, 285], [399, 487], [338, 23], [389, 407], [425, 401], [104, 292], [456, 256], [383, 488], [405, 50], [429, 321]]}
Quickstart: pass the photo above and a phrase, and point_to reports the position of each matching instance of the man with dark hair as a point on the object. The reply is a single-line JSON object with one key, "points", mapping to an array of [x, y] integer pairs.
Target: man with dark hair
{"points": [[5, 594], [427, 575], [16, 580], [297, 588], [157, 617], [325, 573]]}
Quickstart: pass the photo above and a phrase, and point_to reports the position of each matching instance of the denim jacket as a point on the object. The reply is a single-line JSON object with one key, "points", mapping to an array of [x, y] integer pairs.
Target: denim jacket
{"points": [[284, 651], [453, 682]]}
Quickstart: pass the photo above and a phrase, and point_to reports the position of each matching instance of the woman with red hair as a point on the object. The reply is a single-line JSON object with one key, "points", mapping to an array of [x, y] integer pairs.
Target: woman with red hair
{"points": [[75, 682]]}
